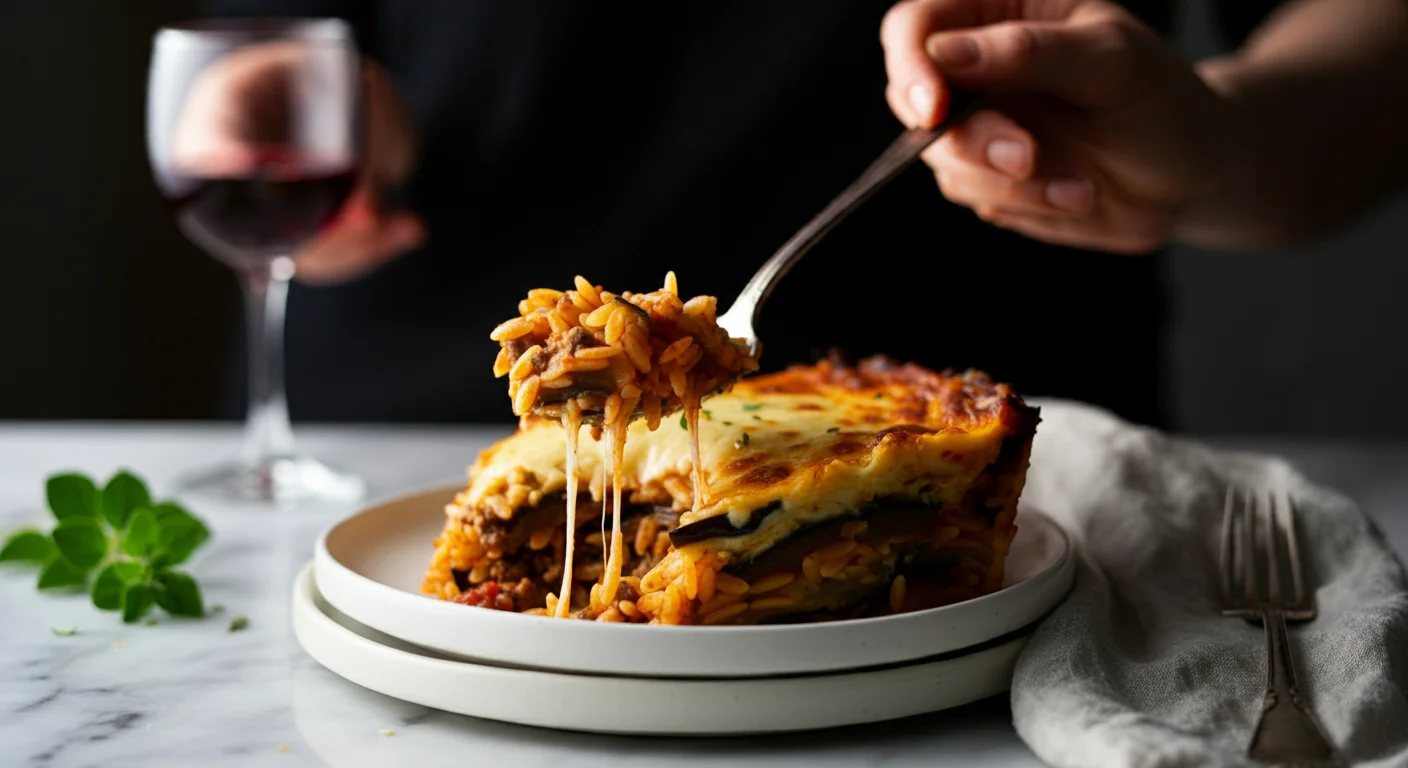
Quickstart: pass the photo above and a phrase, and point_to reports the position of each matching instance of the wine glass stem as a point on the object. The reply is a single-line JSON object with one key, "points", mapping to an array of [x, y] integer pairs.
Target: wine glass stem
{"points": [[267, 432]]}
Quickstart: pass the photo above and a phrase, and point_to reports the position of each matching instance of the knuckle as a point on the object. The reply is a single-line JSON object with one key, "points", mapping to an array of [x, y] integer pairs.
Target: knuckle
{"points": [[1118, 38], [1015, 43], [951, 189], [945, 181], [899, 16], [992, 215]]}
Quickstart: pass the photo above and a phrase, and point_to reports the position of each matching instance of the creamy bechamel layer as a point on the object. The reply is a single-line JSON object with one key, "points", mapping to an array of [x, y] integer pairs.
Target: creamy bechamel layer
{"points": [[812, 443]]}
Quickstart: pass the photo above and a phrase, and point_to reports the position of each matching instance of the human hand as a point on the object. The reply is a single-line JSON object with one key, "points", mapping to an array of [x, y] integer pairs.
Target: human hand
{"points": [[1097, 132], [237, 107]]}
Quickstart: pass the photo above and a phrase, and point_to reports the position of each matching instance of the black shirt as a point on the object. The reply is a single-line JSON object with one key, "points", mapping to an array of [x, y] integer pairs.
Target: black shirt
{"points": [[622, 140]]}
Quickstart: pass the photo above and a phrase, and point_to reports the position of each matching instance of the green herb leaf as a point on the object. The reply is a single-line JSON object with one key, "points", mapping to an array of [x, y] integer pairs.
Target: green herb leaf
{"points": [[726, 423], [143, 533], [706, 413], [833, 430], [27, 546], [756, 417], [59, 572], [137, 599], [178, 594], [744, 439], [124, 494], [217, 608], [64, 632], [81, 540], [112, 581], [71, 495], [684, 423], [751, 406], [238, 623], [181, 534]]}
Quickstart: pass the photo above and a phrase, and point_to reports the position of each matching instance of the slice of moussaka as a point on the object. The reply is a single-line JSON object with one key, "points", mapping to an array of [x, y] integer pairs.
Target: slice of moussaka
{"points": [[829, 492]]}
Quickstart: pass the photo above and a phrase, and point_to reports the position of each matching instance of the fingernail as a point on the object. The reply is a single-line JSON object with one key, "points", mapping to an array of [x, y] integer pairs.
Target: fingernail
{"points": [[921, 100], [1072, 195], [1008, 156], [954, 52]]}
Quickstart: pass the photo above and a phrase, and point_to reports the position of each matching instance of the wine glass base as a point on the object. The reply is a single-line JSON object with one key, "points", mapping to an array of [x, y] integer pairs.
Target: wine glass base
{"points": [[279, 479]]}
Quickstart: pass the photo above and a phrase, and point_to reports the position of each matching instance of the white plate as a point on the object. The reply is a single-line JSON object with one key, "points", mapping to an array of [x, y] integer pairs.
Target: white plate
{"points": [[370, 567], [637, 705]]}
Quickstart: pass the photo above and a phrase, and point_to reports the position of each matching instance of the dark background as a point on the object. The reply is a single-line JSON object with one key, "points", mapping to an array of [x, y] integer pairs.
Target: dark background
{"points": [[109, 313]]}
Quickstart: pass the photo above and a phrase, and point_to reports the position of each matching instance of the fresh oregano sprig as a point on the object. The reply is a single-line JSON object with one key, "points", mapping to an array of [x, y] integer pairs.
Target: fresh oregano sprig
{"points": [[117, 544]]}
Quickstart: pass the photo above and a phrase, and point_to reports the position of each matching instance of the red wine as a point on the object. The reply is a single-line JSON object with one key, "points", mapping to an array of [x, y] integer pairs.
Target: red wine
{"points": [[261, 216]]}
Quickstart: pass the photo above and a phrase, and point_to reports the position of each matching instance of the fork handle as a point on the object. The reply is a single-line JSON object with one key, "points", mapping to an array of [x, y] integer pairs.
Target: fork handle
{"points": [[903, 151], [1287, 732]]}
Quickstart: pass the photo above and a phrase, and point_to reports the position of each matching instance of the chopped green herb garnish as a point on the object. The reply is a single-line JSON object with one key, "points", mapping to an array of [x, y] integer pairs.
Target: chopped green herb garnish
{"points": [[115, 543], [744, 438], [238, 623], [149, 622], [706, 413], [684, 423], [751, 406], [726, 423], [833, 429], [217, 608], [757, 417], [64, 632], [742, 441]]}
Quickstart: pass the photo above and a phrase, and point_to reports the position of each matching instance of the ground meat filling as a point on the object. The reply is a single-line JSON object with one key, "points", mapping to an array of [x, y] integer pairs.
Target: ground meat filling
{"points": [[503, 596], [531, 544], [602, 382], [522, 576]]}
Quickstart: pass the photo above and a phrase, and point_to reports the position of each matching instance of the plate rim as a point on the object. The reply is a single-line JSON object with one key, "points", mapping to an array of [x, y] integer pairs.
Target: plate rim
{"points": [[1057, 578]]}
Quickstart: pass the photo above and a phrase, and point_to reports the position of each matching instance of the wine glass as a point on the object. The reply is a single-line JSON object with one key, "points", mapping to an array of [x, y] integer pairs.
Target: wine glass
{"points": [[254, 140]]}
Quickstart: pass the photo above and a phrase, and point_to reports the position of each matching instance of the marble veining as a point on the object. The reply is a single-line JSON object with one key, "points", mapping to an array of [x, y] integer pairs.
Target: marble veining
{"points": [[191, 692]]}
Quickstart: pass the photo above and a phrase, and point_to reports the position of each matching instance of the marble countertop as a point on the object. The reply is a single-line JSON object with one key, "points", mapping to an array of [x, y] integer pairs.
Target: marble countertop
{"points": [[188, 692]]}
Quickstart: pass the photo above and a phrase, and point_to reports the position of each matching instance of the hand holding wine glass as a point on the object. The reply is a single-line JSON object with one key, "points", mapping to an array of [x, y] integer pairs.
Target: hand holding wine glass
{"points": [[255, 139], [225, 122]]}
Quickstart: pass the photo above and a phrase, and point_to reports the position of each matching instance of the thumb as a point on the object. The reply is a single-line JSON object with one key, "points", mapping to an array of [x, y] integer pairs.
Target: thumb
{"points": [[1088, 63]]}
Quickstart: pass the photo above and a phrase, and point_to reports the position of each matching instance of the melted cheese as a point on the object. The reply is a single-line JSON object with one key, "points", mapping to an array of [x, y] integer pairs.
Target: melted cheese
{"points": [[816, 447]]}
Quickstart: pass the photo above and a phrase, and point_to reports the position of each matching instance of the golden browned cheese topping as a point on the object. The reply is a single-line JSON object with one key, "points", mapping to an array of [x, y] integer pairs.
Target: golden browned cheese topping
{"points": [[819, 441]]}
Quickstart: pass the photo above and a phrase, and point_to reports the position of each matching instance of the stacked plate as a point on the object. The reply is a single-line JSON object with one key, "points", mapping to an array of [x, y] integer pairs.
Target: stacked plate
{"points": [[358, 610]]}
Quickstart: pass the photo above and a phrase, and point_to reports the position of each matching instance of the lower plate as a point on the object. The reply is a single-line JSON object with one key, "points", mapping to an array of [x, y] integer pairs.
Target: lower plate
{"points": [[642, 705]]}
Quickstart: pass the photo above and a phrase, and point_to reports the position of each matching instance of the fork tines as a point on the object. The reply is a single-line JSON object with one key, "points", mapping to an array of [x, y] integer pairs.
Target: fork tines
{"points": [[1259, 551]]}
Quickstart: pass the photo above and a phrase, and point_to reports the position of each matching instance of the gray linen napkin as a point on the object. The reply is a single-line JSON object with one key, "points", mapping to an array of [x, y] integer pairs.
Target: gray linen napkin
{"points": [[1136, 667]]}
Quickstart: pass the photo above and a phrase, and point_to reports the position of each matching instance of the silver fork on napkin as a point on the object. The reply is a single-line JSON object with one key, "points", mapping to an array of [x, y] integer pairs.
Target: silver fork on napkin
{"points": [[1259, 548]]}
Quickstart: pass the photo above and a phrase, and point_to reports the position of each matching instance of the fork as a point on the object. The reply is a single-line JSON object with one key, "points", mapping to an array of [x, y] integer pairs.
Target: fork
{"points": [[742, 315], [1286, 732]]}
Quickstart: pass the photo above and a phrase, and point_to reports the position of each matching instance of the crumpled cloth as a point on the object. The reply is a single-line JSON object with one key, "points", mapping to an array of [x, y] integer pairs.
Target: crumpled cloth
{"points": [[1137, 667]]}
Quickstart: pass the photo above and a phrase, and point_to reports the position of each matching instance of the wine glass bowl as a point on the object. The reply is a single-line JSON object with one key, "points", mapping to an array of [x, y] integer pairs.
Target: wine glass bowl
{"points": [[254, 140]]}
